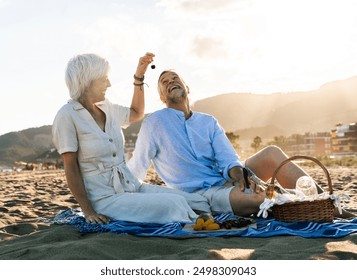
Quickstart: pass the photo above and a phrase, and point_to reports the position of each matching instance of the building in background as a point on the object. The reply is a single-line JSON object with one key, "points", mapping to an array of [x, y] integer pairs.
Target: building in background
{"points": [[344, 140], [310, 144]]}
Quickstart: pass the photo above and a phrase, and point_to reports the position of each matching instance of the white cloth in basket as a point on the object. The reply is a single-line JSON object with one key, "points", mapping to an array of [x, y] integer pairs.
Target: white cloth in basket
{"points": [[287, 197]]}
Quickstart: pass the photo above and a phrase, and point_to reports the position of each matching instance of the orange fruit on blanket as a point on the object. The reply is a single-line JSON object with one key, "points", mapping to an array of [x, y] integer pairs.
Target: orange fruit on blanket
{"points": [[197, 227], [199, 224], [213, 226], [200, 221], [205, 222]]}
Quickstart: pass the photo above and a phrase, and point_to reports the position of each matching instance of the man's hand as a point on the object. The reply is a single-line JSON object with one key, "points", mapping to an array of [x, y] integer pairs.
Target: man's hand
{"points": [[240, 175], [236, 173]]}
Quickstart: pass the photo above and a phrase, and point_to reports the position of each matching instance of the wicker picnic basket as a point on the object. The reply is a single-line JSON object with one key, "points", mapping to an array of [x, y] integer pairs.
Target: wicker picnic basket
{"points": [[321, 210]]}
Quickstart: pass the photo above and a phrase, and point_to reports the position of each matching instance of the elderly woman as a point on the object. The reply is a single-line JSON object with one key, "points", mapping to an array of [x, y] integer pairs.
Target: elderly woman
{"points": [[87, 133]]}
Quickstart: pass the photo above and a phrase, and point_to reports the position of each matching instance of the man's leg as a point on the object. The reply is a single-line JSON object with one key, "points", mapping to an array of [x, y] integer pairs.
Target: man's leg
{"points": [[245, 204], [267, 160], [263, 164]]}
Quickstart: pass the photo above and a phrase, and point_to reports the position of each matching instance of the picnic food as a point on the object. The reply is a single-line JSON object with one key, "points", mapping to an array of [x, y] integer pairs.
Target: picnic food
{"points": [[235, 223], [206, 222]]}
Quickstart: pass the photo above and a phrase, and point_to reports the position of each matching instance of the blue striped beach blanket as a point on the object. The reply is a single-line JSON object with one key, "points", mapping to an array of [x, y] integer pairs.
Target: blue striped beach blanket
{"points": [[263, 227]]}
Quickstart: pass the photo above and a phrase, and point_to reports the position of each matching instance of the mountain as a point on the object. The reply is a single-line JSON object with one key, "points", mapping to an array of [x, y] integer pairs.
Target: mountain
{"points": [[25, 145], [33, 143], [248, 114], [285, 113]]}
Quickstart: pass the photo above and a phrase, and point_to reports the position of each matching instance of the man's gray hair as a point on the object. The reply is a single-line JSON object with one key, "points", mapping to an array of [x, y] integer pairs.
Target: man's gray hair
{"points": [[82, 70], [172, 71]]}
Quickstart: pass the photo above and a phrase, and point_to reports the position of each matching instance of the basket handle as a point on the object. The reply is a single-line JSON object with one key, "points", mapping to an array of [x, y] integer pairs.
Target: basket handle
{"points": [[308, 158]]}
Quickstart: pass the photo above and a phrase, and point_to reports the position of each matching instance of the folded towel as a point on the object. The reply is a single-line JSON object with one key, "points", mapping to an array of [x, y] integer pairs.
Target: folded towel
{"points": [[263, 227]]}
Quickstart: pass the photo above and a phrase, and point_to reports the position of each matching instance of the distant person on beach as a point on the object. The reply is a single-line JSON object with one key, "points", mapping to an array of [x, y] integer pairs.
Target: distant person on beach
{"points": [[87, 133], [191, 152]]}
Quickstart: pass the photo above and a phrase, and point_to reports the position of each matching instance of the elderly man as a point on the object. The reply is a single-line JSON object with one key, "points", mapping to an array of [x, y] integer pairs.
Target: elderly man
{"points": [[191, 152]]}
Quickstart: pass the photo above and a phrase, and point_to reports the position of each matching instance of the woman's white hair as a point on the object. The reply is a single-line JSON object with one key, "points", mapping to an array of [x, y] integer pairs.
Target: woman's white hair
{"points": [[82, 70]]}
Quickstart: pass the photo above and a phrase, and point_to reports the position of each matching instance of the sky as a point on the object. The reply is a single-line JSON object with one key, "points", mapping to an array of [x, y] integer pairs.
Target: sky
{"points": [[218, 46]]}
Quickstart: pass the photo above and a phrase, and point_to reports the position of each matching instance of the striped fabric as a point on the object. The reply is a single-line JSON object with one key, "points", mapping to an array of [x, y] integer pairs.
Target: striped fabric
{"points": [[264, 227]]}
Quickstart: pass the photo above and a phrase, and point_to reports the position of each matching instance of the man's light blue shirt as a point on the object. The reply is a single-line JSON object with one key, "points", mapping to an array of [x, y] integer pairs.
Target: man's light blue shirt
{"points": [[187, 154]]}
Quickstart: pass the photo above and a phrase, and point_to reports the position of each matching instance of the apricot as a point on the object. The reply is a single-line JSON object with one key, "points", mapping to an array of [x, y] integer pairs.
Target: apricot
{"points": [[200, 221], [207, 223], [197, 227], [213, 226]]}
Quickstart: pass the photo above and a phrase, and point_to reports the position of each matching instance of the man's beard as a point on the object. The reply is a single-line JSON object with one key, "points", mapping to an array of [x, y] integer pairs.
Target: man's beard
{"points": [[177, 96]]}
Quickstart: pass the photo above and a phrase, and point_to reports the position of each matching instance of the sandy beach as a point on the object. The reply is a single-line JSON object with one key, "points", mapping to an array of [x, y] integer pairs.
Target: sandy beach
{"points": [[27, 196]]}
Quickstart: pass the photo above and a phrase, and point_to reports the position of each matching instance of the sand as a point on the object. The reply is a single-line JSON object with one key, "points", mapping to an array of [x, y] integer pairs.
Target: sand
{"points": [[29, 195]]}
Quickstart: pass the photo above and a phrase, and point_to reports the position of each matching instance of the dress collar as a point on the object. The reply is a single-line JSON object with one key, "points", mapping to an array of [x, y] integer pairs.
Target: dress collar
{"points": [[78, 106]]}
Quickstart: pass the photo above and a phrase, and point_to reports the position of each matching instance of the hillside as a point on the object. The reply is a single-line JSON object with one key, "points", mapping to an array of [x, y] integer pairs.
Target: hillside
{"points": [[285, 113], [247, 114], [24, 145], [33, 143]]}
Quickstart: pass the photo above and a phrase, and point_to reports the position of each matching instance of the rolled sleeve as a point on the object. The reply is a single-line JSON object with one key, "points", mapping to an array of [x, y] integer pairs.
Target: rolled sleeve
{"points": [[229, 167], [123, 115], [64, 134]]}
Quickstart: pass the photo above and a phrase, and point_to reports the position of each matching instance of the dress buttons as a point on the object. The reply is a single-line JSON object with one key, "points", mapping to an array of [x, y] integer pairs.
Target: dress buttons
{"points": [[114, 154], [110, 140]]}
